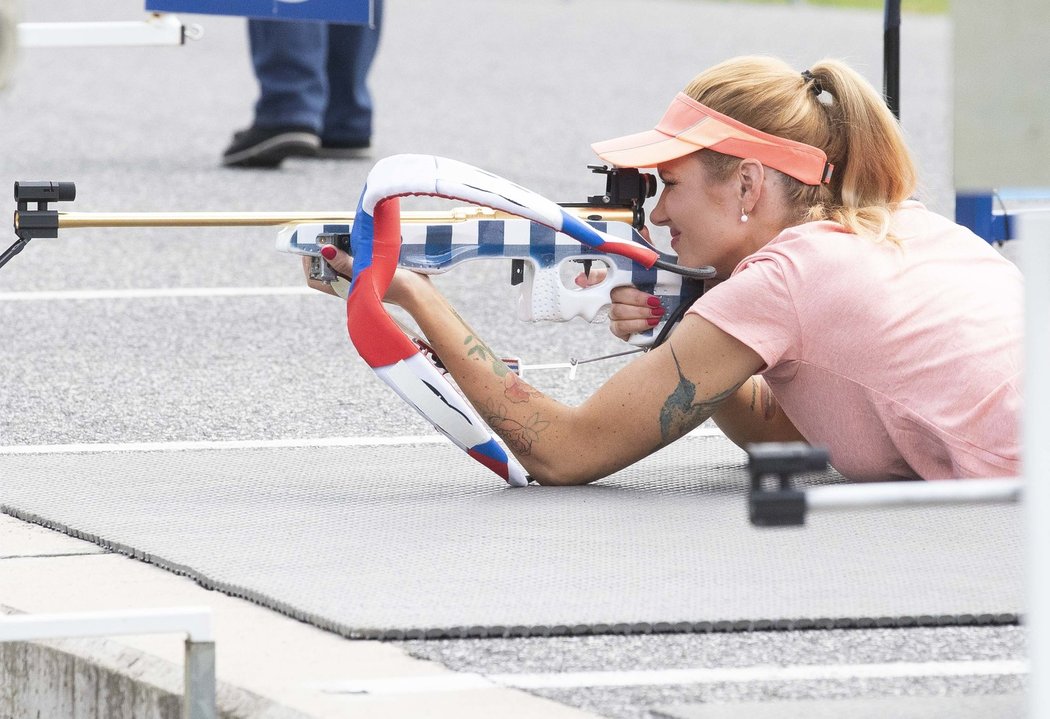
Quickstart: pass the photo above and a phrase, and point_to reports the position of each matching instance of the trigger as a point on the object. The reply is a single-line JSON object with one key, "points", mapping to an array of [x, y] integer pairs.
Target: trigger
{"points": [[587, 268]]}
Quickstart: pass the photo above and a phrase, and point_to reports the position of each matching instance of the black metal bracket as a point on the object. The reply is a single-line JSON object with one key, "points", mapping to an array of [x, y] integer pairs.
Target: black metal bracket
{"points": [[782, 505], [41, 222]]}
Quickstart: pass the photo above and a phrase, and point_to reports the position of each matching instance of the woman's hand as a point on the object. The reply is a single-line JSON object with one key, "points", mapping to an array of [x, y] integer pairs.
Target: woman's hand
{"points": [[404, 287], [632, 310]]}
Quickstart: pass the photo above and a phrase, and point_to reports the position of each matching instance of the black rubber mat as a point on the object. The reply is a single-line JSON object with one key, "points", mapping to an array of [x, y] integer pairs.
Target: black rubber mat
{"points": [[418, 541]]}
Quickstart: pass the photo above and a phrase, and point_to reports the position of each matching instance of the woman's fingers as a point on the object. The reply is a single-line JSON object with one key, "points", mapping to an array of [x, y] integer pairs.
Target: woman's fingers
{"points": [[338, 260], [633, 311], [594, 277]]}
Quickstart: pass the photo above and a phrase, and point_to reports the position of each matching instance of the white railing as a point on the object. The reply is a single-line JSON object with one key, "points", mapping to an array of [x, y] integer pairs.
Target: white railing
{"points": [[1034, 236], [195, 623], [159, 29]]}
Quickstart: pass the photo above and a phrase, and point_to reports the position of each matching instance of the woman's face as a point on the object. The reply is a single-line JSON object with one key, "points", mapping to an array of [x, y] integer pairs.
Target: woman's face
{"points": [[702, 214]]}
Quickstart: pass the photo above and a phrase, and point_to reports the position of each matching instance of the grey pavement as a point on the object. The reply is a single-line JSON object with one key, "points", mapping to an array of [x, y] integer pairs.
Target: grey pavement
{"points": [[518, 88]]}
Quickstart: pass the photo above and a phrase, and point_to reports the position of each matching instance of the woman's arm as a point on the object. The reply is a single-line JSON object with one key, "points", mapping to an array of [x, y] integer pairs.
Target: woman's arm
{"points": [[751, 414], [646, 405]]}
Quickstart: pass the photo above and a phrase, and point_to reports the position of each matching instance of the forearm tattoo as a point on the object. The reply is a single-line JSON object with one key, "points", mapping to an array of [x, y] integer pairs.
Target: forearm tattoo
{"points": [[519, 435], [481, 351], [681, 412]]}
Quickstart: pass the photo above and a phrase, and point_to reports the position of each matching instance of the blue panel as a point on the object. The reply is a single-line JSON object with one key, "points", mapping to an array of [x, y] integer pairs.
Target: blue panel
{"points": [[974, 210], [643, 279], [351, 12], [541, 244], [439, 242], [491, 236]]}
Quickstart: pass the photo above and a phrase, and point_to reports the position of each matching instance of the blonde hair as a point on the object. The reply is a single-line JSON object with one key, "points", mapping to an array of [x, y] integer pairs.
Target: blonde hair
{"points": [[847, 119]]}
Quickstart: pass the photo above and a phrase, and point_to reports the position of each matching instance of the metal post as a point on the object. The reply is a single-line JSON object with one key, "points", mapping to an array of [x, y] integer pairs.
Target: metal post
{"points": [[891, 56], [1034, 236], [199, 687]]}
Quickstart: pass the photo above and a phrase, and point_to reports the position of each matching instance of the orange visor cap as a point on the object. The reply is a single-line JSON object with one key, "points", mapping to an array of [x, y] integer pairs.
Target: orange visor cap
{"points": [[688, 126]]}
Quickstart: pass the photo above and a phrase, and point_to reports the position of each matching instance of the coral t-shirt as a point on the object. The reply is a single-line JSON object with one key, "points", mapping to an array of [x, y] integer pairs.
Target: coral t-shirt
{"points": [[903, 360]]}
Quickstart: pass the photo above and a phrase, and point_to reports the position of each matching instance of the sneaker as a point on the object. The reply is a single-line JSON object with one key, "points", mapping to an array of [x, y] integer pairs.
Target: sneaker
{"points": [[269, 146], [344, 150]]}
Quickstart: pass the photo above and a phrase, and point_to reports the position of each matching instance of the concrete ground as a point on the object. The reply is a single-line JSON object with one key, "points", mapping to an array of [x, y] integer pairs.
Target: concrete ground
{"points": [[125, 336]]}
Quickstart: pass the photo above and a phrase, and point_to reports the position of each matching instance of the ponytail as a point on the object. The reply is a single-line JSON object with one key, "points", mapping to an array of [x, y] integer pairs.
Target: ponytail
{"points": [[832, 107]]}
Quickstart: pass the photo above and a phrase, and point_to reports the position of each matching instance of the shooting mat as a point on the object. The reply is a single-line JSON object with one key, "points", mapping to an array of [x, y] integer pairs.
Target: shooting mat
{"points": [[420, 541]]}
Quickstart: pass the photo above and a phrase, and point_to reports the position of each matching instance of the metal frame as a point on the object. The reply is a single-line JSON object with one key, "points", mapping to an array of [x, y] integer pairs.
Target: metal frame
{"points": [[199, 687], [1034, 235], [158, 30]]}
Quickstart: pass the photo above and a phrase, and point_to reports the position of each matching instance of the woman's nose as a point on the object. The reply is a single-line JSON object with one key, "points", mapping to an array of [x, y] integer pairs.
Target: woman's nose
{"points": [[657, 215]]}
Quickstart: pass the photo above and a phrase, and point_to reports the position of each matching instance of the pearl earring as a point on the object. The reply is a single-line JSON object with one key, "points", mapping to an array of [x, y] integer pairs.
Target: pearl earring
{"points": [[743, 216]]}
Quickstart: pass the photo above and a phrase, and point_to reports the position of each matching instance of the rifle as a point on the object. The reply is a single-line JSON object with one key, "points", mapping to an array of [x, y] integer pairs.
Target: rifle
{"points": [[510, 222], [434, 242]]}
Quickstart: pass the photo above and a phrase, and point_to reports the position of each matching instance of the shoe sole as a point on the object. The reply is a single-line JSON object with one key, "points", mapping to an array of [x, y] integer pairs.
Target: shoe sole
{"points": [[342, 153], [271, 152]]}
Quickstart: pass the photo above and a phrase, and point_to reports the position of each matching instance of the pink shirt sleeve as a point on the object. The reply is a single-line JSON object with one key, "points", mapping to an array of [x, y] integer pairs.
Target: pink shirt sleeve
{"points": [[756, 307]]}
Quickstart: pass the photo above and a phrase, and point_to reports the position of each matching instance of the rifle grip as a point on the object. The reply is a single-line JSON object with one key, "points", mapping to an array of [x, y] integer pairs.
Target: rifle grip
{"points": [[544, 297]]}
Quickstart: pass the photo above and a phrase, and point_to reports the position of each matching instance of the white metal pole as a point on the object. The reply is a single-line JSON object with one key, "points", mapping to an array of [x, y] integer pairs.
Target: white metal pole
{"points": [[157, 30], [893, 494], [1034, 236], [199, 688], [194, 621]]}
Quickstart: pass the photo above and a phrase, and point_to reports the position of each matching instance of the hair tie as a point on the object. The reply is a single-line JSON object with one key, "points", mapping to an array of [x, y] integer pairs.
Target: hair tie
{"points": [[817, 87]]}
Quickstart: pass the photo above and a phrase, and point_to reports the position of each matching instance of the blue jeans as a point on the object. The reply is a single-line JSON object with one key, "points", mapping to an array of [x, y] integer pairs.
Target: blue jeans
{"points": [[312, 74]]}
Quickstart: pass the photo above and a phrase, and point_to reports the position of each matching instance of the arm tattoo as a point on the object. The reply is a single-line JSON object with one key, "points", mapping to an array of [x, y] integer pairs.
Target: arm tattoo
{"points": [[482, 352], [681, 412], [769, 403], [519, 436], [514, 388], [763, 396]]}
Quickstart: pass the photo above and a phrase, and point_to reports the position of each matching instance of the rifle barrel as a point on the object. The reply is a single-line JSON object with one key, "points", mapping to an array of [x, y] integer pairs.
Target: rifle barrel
{"points": [[258, 219]]}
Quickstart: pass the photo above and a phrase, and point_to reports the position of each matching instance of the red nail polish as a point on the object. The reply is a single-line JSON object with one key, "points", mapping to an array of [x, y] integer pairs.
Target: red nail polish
{"points": [[653, 321], [657, 311], [328, 252], [653, 301]]}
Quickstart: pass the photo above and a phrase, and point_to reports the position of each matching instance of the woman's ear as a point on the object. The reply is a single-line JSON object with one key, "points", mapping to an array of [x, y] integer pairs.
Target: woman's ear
{"points": [[751, 175]]}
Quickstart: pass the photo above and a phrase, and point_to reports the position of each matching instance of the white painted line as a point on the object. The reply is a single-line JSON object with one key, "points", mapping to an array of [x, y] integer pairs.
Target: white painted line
{"points": [[719, 675], [398, 441], [153, 293], [222, 444]]}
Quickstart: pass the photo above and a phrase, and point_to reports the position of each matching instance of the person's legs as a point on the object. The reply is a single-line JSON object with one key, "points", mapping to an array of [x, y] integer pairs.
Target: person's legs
{"points": [[289, 59], [348, 117]]}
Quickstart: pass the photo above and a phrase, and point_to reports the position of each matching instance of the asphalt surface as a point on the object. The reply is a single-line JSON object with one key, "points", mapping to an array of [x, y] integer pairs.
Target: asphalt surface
{"points": [[520, 89]]}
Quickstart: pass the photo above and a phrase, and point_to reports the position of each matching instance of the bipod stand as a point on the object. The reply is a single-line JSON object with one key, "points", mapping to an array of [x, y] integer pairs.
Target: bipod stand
{"points": [[782, 505]]}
